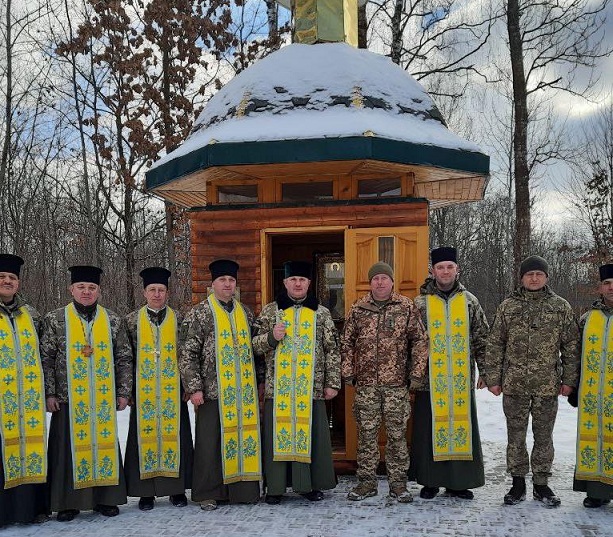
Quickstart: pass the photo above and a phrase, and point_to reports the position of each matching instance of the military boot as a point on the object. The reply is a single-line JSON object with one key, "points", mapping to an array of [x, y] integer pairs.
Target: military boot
{"points": [[517, 493], [544, 494], [362, 491], [401, 493]]}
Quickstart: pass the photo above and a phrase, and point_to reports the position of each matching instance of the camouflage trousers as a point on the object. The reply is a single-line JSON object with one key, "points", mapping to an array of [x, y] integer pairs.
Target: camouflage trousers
{"points": [[372, 405], [517, 409]]}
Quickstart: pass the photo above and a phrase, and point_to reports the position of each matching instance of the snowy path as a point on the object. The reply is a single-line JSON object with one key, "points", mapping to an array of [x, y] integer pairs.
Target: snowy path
{"points": [[485, 516]]}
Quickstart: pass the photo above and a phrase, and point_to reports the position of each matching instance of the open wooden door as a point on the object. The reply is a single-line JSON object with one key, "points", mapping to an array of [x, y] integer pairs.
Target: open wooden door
{"points": [[406, 250]]}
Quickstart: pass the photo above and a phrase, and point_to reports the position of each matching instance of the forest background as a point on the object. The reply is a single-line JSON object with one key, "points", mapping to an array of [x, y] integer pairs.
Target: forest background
{"points": [[93, 92]]}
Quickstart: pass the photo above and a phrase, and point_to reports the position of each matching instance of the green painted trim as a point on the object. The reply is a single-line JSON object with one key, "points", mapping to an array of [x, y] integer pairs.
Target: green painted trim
{"points": [[317, 150], [396, 200]]}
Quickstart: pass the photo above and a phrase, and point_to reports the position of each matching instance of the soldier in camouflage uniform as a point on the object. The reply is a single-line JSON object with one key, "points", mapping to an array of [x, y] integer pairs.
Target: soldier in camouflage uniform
{"points": [[68, 501], [155, 291], [28, 502], [198, 366], [383, 343], [532, 357], [458, 476], [306, 479]]}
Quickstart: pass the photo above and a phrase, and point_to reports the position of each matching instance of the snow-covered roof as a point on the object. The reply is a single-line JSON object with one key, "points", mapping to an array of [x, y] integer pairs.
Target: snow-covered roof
{"points": [[329, 90]]}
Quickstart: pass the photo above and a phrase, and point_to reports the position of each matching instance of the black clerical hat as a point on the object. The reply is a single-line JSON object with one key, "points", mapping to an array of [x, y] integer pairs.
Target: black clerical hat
{"points": [[444, 253], [85, 273], [155, 275], [606, 272], [223, 267], [297, 268], [10, 263]]}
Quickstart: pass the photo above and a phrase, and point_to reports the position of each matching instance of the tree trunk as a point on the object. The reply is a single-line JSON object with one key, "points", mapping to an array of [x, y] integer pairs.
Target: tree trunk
{"points": [[362, 27], [130, 249], [521, 243], [168, 146], [173, 291], [89, 244], [272, 15], [8, 98], [396, 46]]}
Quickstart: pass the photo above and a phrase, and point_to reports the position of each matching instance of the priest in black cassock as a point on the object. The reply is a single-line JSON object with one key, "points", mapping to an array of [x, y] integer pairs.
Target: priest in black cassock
{"points": [[159, 450], [24, 495]]}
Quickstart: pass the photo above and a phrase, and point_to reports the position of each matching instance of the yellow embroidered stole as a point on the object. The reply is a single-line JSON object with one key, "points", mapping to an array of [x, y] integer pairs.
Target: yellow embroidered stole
{"points": [[450, 389], [22, 402], [293, 399], [158, 396], [595, 413], [239, 412], [92, 400]]}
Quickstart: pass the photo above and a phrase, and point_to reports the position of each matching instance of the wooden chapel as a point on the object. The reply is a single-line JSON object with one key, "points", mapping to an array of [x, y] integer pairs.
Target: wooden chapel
{"points": [[319, 152]]}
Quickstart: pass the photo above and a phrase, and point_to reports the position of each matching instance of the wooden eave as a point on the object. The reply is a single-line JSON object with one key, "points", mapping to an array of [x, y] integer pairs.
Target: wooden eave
{"points": [[444, 176], [440, 186]]}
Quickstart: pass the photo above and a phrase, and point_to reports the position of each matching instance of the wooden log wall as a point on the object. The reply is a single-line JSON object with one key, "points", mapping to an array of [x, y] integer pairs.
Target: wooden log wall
{"points": [[235, 234]]}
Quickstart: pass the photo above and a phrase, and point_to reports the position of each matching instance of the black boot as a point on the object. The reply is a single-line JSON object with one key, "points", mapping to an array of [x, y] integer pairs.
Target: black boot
{"points": [[107, 510], [427, 493], [517, 493], [544, 494], [464, 494], [313, 496], [592, 503], [146, 503], [178, 500], [273, 499], [67, 515]]}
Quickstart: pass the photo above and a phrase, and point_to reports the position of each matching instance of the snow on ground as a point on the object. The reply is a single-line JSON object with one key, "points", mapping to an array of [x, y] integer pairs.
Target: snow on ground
{"points": [[485, 516]]}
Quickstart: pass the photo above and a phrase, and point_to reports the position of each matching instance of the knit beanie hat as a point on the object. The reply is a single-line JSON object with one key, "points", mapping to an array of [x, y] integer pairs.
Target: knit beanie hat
{"points": [[380, 268], [534, 262]]}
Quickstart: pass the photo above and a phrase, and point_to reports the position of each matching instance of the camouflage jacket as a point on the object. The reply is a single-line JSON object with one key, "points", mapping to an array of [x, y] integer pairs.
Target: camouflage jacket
{"points": [[53, 355], [533, 346], [478, 330], [197, 359], [384, 346], [597, 305], [327, 358], [19, 302], [132, 327]]}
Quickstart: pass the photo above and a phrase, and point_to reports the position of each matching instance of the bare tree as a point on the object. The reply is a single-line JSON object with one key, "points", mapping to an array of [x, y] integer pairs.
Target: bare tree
{"points": [[432, 39], [590, 189], [479, 232], [550, 43]]}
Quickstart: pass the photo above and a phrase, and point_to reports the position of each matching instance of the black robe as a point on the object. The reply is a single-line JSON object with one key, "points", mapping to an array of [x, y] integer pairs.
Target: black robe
{"points": [[301, 477], [63, 494], [22, 504], [159, 486], [207, 481], [455, 475]]}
